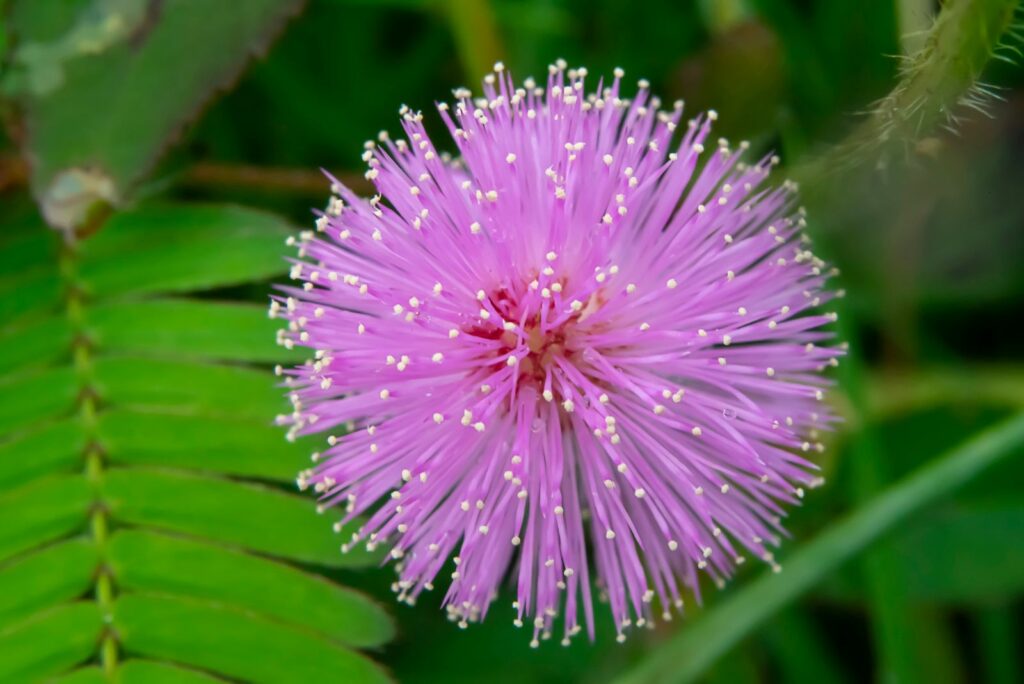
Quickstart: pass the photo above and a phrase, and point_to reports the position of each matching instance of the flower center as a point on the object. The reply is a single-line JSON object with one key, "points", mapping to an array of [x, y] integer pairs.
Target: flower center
{"points": [[533, 333]]}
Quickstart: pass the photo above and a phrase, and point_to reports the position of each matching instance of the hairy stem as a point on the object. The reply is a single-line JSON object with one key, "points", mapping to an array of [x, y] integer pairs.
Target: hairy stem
{"points": [[938, 82]]}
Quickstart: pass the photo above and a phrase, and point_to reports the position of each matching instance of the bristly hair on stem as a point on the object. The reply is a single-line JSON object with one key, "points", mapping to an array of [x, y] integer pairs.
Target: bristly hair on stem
{"points": [[939, 85]]}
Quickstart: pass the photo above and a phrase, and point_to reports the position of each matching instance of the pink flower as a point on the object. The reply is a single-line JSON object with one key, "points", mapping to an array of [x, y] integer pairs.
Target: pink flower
{"points": [[593, 322]]}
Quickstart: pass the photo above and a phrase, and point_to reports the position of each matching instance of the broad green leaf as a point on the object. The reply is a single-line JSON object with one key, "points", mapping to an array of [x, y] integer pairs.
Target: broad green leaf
{"points": [[37, 343], [154, 563], [205, 389], [182, 247], [36, 395], [961, 554], [54, 448], [148, 92], [189, 328], [42, 511], [242, 645], [978, 530], [45, 578], [685, 655], [228, 512], [199, 442], [50, 642]]}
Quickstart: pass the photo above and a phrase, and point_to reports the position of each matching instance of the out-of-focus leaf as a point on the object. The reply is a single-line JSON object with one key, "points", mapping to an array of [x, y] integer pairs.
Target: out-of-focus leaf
{"points": [[154, 563], [200, 442], [29, 283], [999, 638], [55, 574], [139, 671], [684, 656], [38, 343], [184, 387], [227, 512], [800, 650], [133, 65], [49, 643], [748, 48], [178, 248], [893, 395], [26, 246], [54, 448], [40, 512], [34, 396], [83, 675], [189, 328], [29, 295], [961, 555], [206, 635]]}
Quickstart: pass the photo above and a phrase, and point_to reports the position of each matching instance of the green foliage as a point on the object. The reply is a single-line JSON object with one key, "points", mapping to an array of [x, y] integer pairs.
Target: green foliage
{"points": [[683, 657], [140, 473], [150, 532], [72, 56]]}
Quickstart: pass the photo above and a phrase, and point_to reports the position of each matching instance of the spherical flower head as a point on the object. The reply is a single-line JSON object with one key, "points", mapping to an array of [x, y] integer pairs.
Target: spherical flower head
{"points": [[583, 354]]}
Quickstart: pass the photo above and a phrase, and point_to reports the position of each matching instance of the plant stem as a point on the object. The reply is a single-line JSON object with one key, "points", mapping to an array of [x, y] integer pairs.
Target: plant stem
{"points": [[93, 453], [476, 36]]}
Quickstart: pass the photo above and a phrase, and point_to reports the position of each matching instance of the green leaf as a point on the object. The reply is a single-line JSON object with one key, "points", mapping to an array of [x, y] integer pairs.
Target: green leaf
{"points": [[189, 328], [28, 295], [50, 642], [38, 343], [154, 563], [228, 512], [189, 387], [137, 671], [685, 655], [200, 442], [245, 646], [42, 511], [894, 394], [54, 448], [183, 248], [977, 530], [45, 578], [999, 636], [36, 395], [27, 245], [83, 675], [966, 554], [98, 382], [28, 280], [148, 92]]}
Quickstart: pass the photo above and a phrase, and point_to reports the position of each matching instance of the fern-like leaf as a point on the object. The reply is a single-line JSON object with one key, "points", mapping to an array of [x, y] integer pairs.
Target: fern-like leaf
{"points": [[151, 531]]}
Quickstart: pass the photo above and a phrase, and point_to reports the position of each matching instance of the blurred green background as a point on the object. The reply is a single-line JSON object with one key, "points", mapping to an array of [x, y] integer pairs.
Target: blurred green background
{"points": [[150, 530]]}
